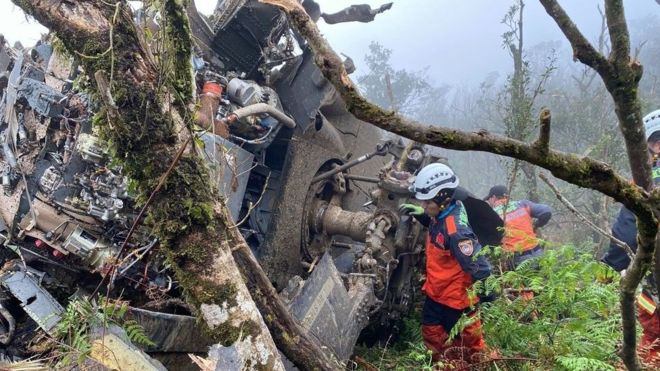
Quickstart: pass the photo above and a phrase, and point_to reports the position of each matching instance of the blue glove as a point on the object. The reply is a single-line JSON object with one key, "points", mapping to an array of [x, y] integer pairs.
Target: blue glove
{"points": [[411, 209]]}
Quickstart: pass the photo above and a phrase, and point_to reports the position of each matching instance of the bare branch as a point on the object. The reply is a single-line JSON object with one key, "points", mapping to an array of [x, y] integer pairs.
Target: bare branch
{"points": [[620, 75], [618, 29], [582, 48], [543, 142], [586, 220], [584, 172], [602, 41]]}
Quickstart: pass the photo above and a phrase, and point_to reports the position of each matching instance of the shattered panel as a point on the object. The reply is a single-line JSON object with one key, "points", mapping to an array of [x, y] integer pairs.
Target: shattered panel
{"points": [[324, 308], [35, 300]]}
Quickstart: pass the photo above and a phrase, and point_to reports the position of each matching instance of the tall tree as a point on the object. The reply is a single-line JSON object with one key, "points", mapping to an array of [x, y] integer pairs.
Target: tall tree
{"points": [[521, 92], [411, 93], [146, 116]]}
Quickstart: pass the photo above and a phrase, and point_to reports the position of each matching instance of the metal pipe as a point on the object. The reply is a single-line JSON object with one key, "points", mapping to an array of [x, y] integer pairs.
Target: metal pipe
{"points": [[8, 153], [361, 178], [381, 150], [333, 220], [258, 108]]}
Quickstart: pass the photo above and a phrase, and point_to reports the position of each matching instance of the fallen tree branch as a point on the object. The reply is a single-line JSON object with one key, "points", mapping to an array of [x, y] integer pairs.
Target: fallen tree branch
{"points": [[284, 329], [586, 220]]}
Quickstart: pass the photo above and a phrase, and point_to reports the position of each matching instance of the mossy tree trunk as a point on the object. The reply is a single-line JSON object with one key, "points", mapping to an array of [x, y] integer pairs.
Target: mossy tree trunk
{"points": [[621, 75], [146, 120]]}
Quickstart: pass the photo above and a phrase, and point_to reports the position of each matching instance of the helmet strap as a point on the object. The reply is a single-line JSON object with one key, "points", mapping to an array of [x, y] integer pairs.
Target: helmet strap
{"points": [[446, 211]]}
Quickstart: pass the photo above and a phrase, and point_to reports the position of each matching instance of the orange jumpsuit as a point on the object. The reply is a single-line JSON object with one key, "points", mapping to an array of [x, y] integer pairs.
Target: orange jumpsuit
{"points": [[451, 268]]}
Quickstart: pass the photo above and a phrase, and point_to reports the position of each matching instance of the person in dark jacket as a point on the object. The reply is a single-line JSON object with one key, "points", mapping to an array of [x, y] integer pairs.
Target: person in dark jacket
{"points": [[625, 229], [521, 219], [452, 266]]}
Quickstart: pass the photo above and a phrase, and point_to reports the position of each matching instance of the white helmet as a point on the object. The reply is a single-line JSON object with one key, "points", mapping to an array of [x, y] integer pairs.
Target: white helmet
{"points": [[652, 123], [432, 179]]}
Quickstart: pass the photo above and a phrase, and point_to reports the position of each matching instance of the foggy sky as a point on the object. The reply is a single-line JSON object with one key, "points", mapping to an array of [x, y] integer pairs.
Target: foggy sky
{"points": [[458, 40]]}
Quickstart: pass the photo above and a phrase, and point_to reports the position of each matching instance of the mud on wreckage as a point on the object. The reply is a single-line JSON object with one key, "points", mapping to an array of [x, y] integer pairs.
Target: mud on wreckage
{"points": [[313, 190]]}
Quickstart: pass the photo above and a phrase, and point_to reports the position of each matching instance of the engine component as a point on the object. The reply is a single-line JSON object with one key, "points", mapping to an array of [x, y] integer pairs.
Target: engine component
{"points": [[94, 251], [260, 108], [246, 93], [102, 192], [381, 150], [50, 180], [333, 220], [42, 98], [209, 101], [90, 148]]}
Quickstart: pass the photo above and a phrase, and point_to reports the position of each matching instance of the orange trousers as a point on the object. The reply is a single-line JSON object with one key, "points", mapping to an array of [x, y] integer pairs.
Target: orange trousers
{"points": [[649, 318]]}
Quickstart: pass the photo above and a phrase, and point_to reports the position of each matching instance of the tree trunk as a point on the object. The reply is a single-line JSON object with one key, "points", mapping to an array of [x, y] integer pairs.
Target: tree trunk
{"points": [[144, 122]]}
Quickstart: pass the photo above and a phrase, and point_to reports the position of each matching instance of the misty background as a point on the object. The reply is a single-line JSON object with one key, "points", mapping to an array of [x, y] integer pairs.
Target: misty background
{"points": [[459, 41], [449, 63]]}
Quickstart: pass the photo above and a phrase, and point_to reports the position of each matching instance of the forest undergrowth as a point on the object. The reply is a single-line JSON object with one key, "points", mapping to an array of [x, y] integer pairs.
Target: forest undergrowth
{"points": [[571, 323]]}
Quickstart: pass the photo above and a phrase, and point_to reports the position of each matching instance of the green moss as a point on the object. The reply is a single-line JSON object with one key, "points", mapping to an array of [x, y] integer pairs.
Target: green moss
{"points": [[287, 338], [177, 31], [143, 141], [227, 334], [198, 290], [261, 367]]}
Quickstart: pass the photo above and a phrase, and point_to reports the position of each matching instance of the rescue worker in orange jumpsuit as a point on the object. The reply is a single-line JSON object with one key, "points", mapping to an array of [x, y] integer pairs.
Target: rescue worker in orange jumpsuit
{"points": [[625, 229], [451, 266], [521, 219]]}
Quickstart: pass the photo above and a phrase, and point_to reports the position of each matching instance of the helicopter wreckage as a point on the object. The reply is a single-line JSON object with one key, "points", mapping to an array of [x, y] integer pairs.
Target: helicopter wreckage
{"points": [[314, 192]]}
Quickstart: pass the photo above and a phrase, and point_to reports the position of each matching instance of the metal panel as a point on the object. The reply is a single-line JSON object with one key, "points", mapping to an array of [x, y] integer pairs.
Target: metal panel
{"points": [[230, 167], [171, 332], [324, 308], [35, 300]]}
